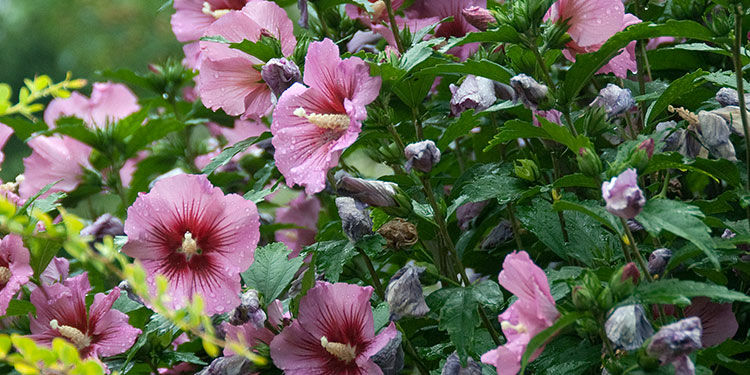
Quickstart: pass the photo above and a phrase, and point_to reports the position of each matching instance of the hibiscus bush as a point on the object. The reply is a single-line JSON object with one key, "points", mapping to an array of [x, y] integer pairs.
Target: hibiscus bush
{"points": [[389, 187]]}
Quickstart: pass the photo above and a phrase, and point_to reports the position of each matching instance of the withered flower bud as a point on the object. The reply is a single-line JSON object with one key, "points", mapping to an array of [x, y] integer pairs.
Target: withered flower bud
{"points": [[728, 97], [628, 328], [658, 260], [280, 74], [674, 342], [105, 225], [477, 93], [373, 192], [614, 99], [390, 358], [399, 233], [501, 233], [715, 132], [453, 366], [404, 293], [355, 220], [529, 91], [478, 17], [231, 365], [422, 156], [248, 311]]}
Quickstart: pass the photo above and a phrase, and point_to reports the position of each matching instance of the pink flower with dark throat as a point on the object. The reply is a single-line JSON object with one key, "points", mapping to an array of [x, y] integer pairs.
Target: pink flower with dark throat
{"points": [[531, 313], [228, 78], [199, 239], [98, 331], [333, 334], [313, 124], [14, 269]]}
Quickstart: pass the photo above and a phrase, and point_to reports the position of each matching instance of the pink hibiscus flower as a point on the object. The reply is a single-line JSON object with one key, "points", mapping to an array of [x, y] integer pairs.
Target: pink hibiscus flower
{"points": [[109, 102], [533, 311], [228, 78], [592, 23], [312, 125], [189, 231], [302, 211], [54, 159], [333, 334], [193, 17], [441, 9], [5, 133], [14, 269], [61, 311], [243, 129]]}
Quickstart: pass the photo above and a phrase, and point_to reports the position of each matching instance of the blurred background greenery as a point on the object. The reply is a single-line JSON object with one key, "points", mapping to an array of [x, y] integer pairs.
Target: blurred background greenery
{"points": [[82, 36]]}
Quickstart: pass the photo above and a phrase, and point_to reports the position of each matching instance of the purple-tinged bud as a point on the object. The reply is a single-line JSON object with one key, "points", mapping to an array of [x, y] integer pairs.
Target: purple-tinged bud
{"points": [[648, 146], [390, 358], [630, 272], [634, 225], [303, 15], [467, 212], [229, 365], [399, 233], [501, 233], [714, 132], [355, 220], [478, 17], [373, 192], [363, 40], [477, 93], [624, 280], [422, 156], [248, 311], [728, 234], [674, 342], [623, 196], [105, 225], [453, 366], [628, 328], [504, 92], [280, 74], [529, 91], [614, 99], [589, 162], [125, 286], [728, 97], [404, 293], [658, 260]]}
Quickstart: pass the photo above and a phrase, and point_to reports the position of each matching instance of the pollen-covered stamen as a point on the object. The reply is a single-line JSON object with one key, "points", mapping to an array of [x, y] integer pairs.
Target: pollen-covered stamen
{"points": [[4, 275], [520, 328], [74, 335], [328, 121], [344, 352], [213, 13], [378, 9], [189, 245]]}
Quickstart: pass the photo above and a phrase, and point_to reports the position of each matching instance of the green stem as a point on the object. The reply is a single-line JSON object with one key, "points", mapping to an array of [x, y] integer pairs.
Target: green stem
{"points": [[514, 225], [417, 125], [373, 274], [410, 350], [634, 249], [488, 324], [737, 57], [639, 58], [550, 84], [394, 26], [605, 339]]}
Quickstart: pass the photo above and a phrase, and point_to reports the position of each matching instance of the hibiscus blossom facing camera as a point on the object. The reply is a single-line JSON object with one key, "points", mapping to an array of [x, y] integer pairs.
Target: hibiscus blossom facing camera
{"points": [[531, 313], [98, 331], [333, 334], [15, 270], [313, 124], [199, 239]]}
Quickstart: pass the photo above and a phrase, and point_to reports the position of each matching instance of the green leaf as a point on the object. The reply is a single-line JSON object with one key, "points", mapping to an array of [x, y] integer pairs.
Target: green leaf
{"points": [[129, 77], [488, 294], [674, 91], [679, 292], [153, 130], [46, 204], [720, 169], [372, 244], [595, 212], [483, 68], [272, 271], [19, 307], [381, 315], [502, 34], [542, 337], [681, 219], [576, 180], [228, 153], [266, 48], [514, 129], [332, 256], [76, 129], [178, 357], [587, 65], [417, 54], [459, 317], [125, 304], [458, 128]]}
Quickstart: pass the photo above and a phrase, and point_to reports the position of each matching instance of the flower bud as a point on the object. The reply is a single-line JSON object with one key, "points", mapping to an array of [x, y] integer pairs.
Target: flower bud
{"points": [[478, 17], [303, 13], [624, 280], [582, 298], [399, 233], [453, 366], [614, 99], [467, 212], [501, 233], [504, 92], [588, 162], [355, 220], [105, 225], [422, 156], [658, 260], [628, 328], [674, 342], [642, 154], [404, 293], [477, 93], [248, 311], [605, 299], [727, 96], [231, 365], [715, 132], [529, 91], [390, 358], [280, 74], [623, 196], [526, 169], [373, 192]]}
